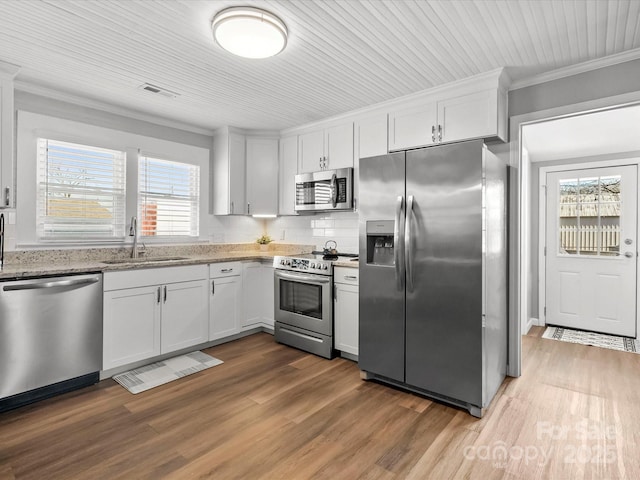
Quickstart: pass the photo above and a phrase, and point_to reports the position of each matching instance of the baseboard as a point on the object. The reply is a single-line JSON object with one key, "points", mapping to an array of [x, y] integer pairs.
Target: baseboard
{"points": [[528, 324]]}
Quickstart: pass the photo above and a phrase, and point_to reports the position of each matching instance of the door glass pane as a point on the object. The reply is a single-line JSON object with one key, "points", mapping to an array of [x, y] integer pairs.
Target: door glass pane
{"points": [[589, 216], [568, 213], [610, 209]]}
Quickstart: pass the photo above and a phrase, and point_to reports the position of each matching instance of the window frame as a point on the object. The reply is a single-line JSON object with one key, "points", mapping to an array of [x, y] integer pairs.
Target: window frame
{"points": [[119, 195], [30, 126], [139, 199]]}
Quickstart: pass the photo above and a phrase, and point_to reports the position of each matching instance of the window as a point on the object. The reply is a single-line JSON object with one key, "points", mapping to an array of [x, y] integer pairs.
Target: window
{"points": [[589, 216], [168, 198], [81, 191]]}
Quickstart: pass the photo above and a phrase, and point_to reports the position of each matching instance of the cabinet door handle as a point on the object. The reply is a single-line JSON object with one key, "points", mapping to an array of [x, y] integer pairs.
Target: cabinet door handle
{"points": [[231, 207], [165, 294], [335, 292], [7, 196], [248, 209], [350, 277], [213, 288], [158, 300], [226, 270], [439, 133], [433, 133]]}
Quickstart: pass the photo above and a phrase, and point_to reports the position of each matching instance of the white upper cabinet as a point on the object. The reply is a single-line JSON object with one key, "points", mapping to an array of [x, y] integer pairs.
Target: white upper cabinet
{"points": [[7, 179], [262, 176], [413, 127], [229, 173], [469, 116], [476, 115], [325, 149], [245, 174], [288, 170], [371, 136]]}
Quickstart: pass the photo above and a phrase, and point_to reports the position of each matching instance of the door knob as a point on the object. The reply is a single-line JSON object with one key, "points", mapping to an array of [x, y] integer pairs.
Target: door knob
{"points": [[628, 254]]}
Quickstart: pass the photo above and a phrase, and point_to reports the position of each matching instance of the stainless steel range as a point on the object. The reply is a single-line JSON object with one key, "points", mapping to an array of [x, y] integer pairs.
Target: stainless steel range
{"points": [[304, 302]]}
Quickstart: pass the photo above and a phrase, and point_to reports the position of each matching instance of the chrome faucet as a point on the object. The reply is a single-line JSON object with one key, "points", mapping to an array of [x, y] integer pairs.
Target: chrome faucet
{"points": [[133, 232]]}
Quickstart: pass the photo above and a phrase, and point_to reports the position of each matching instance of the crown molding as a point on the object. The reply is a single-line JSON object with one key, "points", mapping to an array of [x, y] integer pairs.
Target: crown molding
{"points": [[576, 69], [8, 70]]}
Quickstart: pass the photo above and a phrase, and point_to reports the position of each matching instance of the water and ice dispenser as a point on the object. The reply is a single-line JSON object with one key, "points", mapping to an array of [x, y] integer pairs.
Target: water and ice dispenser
{"points": [[380, 242]]}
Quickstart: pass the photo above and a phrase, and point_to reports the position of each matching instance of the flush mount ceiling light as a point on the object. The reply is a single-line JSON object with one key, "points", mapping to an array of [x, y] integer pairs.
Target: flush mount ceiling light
{"points": [[249, 32]]}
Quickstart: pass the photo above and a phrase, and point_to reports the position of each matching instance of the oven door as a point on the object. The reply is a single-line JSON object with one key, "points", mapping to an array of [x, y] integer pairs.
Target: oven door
{"points": [[304, 301]]}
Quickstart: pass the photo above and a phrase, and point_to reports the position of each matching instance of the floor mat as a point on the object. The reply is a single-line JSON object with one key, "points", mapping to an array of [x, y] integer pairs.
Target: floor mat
{"points": [[612, 342], [159, 373]]}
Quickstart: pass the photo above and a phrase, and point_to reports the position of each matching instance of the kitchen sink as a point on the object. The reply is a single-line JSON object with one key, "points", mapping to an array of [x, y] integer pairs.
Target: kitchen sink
{"points": [[144, 260]]}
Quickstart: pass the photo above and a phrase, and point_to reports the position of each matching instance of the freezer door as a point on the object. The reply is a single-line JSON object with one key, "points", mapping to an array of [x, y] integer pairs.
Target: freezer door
{"points": [[382, 184], [444, 271]]}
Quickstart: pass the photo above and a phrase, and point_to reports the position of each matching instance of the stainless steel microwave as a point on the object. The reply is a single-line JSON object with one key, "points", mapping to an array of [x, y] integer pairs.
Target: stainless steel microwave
{"points": [[325, 190]]}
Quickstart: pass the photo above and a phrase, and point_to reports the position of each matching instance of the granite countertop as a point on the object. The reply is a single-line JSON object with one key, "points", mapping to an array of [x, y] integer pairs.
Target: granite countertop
{"points": [[40, 263], [347, 263]]}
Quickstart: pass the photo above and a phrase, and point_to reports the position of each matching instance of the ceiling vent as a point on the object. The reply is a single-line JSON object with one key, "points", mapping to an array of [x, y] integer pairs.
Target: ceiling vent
{"points": [[158, 90]]}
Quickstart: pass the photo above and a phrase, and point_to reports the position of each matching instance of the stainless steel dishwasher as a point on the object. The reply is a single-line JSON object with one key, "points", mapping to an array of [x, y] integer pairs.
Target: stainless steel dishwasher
{"points": [[50, 337]]}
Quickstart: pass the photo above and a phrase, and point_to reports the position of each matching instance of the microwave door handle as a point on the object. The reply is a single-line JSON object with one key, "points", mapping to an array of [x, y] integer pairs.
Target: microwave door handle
{"points": [[334, 190], [398, 232]]}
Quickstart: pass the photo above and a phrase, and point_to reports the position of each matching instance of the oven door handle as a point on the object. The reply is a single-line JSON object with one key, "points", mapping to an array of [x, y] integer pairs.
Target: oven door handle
{"points": [[303, 278]]}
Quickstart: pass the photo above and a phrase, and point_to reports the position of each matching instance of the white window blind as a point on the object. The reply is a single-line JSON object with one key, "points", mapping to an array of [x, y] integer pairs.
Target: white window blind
{"points": [[81, 191], [168, 198]]}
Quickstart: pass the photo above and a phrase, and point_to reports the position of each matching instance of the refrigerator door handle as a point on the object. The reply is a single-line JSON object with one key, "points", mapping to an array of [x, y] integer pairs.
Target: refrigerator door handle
{"points": [[398, 232], [408, 252]]}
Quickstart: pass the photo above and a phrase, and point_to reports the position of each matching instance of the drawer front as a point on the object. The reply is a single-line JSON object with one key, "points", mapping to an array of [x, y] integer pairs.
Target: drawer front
{"points": [[224, 269], [306, 340], [350, 276]]}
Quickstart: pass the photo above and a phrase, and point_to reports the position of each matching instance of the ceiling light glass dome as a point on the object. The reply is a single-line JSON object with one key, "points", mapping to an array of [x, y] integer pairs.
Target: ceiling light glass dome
{"points": [[249, 32]]}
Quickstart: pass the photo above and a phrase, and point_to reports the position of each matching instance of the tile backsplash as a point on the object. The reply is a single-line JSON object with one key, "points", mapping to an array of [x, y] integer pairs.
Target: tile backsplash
{"points": [[317, 229]]}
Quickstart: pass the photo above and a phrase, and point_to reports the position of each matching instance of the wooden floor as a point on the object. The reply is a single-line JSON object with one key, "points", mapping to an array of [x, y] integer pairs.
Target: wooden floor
{"points": [[273, 412]]}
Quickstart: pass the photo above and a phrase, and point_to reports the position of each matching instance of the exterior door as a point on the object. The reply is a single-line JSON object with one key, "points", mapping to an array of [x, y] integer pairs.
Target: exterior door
{"points": [[591, 249]]}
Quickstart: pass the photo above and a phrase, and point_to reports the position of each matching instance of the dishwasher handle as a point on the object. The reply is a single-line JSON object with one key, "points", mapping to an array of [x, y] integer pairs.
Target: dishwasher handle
{"points": [[42, 285]]}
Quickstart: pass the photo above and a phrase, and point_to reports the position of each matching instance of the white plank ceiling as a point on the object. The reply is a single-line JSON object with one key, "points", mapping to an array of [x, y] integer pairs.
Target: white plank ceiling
{"points": [[342, 54]]}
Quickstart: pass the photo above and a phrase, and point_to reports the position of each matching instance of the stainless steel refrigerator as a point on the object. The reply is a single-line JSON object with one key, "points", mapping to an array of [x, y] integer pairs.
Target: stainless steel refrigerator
{"points": [[433, 272]]}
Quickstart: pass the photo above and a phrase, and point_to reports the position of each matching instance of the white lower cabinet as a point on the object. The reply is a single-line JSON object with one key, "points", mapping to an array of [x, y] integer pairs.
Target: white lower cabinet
{"points": [[185, 315], [346, 309], [153, 311], [257, 295], [225, 306], [131, 329]]}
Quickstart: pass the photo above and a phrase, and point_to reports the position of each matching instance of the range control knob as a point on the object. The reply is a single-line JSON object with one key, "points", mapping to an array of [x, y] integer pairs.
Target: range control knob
{"points": [[325, 267], [283, 262], [312, 265]]}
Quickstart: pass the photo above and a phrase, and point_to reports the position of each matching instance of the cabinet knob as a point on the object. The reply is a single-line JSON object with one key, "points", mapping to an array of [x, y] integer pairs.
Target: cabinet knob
{"points": [[433, 133]]}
